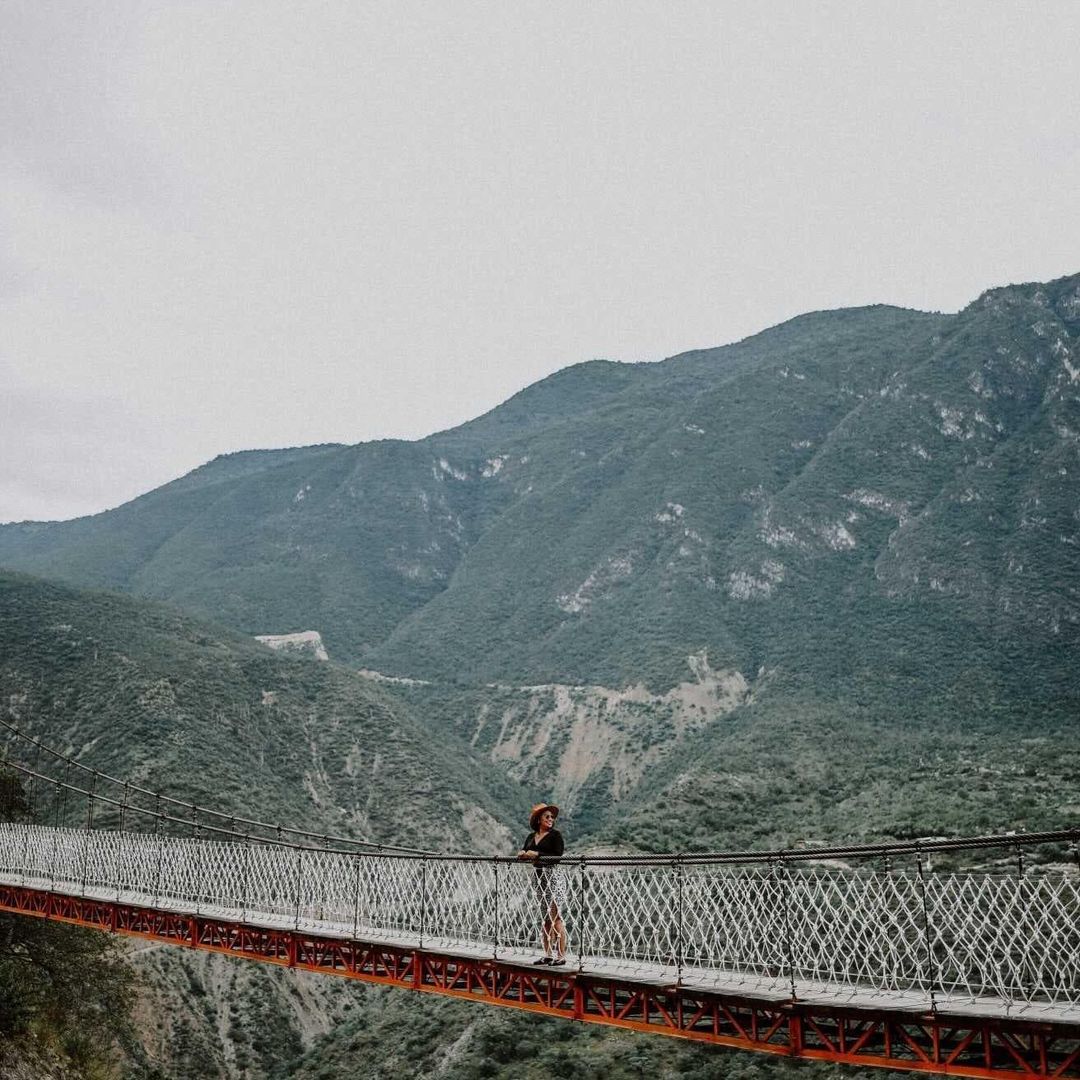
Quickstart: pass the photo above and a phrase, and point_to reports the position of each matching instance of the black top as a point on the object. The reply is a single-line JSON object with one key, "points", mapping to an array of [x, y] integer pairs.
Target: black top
{"points": [[551, 847]]}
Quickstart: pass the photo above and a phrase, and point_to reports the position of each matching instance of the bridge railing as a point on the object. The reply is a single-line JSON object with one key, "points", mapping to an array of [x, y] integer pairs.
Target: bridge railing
{"points": [[878, 922]]}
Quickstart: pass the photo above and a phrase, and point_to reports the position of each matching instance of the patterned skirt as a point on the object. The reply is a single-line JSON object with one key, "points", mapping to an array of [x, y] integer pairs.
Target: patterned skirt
{"points": [[551, 887]]}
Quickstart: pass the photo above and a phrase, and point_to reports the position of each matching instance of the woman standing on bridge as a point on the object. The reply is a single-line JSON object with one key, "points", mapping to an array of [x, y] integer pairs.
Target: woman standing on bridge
{"points": [[543, 845]]}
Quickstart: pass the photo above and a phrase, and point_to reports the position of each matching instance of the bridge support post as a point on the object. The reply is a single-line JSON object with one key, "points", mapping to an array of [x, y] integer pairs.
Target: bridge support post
{"points": [[579, 999], [795, 1034]]}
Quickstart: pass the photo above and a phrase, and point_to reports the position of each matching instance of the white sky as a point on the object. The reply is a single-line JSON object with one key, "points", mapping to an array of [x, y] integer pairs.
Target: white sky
{"points": [[248, 224]]}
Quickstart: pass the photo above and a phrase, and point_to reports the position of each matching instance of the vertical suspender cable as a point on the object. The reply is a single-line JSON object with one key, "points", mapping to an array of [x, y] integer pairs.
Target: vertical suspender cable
{"points": [[120, 842], [26, 851], [245, 875], [32, 801], [322, 894], [89, 826], [160, 850], [28, 825], [56, 831], [67, 778], [57, 789], [582, 868], [299, 857], [679, 948], [423, 899], [1025, 985], [789, 945], [28, 817], [495, 950], [31, 813], [197, 858], [931, 967], [356, 899]]}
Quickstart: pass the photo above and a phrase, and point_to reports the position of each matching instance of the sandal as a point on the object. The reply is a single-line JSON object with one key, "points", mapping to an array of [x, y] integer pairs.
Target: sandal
{"points": [[559, 962], [546, 960]]}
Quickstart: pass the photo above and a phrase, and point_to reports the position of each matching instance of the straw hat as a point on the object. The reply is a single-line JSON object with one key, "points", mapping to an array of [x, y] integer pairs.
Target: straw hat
{"points": [[537, 810]]}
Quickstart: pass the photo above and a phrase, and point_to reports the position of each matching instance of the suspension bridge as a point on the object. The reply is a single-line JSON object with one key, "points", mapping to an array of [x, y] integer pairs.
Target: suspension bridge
{"points": [[952, 956]]}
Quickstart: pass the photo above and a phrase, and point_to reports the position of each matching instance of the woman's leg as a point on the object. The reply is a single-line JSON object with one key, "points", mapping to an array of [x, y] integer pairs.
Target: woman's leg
{"points": [[556, 931], [543, 890]]}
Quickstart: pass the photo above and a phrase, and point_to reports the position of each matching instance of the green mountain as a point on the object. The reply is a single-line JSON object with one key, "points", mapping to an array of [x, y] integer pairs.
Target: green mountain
{"points": [[381, 544], [789, 499]]}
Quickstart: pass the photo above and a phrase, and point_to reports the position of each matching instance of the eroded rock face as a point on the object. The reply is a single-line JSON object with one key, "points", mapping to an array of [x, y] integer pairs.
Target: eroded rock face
{"points": [[560, 738], [307, 641]]}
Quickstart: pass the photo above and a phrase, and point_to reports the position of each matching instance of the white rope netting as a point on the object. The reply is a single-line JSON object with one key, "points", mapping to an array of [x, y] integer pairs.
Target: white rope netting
{"points": [[1009, 939]]}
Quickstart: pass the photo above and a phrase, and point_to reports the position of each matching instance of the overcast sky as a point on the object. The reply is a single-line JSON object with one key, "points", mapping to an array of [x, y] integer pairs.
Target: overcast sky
{"points": [[235, 225]]}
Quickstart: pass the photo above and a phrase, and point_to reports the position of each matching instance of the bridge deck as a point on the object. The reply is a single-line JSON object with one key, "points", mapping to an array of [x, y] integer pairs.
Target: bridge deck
{"points": [[768, 989]]}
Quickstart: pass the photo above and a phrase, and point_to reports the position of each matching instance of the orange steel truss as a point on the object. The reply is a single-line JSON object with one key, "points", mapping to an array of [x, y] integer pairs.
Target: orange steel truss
{"points": [[918, 1042]]}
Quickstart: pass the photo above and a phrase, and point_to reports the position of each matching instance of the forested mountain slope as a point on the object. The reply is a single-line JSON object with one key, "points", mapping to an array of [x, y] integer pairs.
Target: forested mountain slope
{"points": [[200, 713], [611, 520], [353, 540]]}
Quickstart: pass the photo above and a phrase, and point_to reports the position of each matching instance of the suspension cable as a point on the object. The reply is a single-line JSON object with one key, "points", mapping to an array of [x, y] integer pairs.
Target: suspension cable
{"points": [[856, 851], [98, 774]]}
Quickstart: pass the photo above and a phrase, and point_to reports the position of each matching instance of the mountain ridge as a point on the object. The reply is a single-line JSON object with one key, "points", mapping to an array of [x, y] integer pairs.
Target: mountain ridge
{"points": [[384, 547]]}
